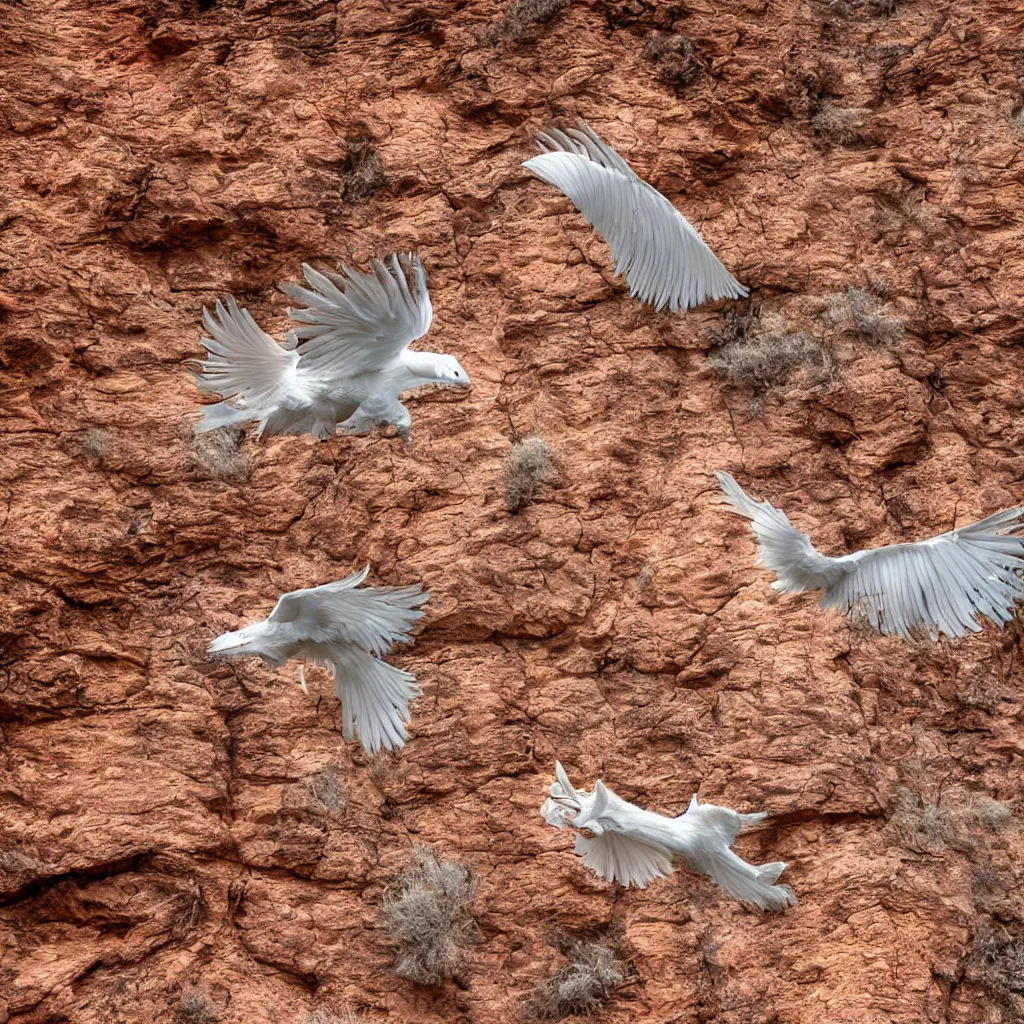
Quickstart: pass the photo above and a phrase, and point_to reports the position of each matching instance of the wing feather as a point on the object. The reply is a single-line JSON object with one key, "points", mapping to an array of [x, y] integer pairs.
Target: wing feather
{"points": [[373, 618], [942, 585], [358, 322], [661, 255]]}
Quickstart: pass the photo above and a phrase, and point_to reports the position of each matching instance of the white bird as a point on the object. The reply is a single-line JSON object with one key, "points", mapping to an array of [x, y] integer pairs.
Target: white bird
{"points": [[940, 585], [347, 630], [347, 367], [664, 260], [624, 844]]}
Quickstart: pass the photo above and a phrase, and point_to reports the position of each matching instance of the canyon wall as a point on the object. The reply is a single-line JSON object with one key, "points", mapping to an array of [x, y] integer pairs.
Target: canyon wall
{"points": [[160, 825]]}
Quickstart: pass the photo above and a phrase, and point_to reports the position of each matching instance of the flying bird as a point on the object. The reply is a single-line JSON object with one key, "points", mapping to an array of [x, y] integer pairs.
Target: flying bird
{"points": [[346, 366], [624, 844], [664, 260], [940, 585], [347, 629]]}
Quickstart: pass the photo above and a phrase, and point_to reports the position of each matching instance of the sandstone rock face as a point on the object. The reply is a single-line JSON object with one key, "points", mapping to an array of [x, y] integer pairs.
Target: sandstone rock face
{"points": [[160, 821]]}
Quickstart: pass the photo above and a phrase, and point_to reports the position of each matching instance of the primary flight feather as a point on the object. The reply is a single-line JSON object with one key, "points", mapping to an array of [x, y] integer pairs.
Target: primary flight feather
{"points": [[622, 843], [349, 362], [664, 259], [941, 585], [349, 630]]}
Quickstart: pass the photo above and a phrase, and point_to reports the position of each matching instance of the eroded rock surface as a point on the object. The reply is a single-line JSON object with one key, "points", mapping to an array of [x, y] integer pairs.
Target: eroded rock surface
{"points": [[159, 824]]}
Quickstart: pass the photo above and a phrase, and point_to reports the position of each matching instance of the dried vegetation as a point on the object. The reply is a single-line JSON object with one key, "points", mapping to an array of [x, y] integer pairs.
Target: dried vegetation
{"points": [[529, 465], [216, 454], [520, 17], [431, 918], [673, 58], [582, 985]]}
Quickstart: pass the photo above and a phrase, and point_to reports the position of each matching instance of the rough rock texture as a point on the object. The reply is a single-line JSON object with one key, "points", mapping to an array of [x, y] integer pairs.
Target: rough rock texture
{"points": [[161, 825]]}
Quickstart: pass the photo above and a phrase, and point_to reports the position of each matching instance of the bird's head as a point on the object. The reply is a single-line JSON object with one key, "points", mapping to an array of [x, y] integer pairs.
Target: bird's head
{"points": [[239, 642], [449, 370]]}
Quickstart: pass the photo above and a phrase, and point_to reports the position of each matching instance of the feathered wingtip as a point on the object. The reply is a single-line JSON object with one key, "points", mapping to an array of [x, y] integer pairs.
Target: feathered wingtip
{"points": [[735, 496]]}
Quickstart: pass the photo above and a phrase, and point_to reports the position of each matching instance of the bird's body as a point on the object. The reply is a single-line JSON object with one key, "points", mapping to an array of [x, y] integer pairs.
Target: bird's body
{"points": [[348, 366], [348, 630], [940, 585], [664, 259], [626, 844]]}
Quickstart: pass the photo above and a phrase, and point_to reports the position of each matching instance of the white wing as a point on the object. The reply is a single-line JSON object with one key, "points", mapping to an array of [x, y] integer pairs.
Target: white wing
{"points": [[662, 257], [781, 547], [357, 322], [245, 365], [374, 618], [374, 695], [941, 585], [614, 857]]}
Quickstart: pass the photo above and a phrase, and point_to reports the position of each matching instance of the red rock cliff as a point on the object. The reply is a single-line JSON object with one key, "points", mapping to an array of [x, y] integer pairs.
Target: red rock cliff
{"points": [[157, 826]]}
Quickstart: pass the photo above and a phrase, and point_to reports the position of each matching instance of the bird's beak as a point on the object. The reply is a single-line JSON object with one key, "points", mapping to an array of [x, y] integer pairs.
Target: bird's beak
{"points": [[228, 643]]}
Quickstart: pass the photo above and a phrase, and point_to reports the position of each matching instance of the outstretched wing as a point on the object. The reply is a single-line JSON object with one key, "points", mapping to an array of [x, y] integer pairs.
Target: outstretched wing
{"points": [[612, 856], [664, 260], [373, 618], [360, 322], [243, 361], [942, 585], [374, 696], [781, 547]]}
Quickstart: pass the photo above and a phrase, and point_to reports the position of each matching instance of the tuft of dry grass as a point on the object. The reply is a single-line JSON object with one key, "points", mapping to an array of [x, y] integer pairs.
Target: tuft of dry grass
{"points": [[527, 467], [959, 822], [196, 1007], [325, 792], [839, 126], [673, 58], [861, 309], [580, 986], [94, 444], [995, 961], [761, 357], [217, 455], [322, 1015], [520, 17], [363, 169], [431, 918]]}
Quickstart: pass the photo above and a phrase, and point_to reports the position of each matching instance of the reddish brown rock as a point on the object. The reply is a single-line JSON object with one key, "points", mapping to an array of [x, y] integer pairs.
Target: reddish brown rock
{"points": [[157, 828]]}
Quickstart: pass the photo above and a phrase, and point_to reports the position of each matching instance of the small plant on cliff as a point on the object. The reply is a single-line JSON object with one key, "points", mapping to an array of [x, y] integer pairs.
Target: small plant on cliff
{"points": [[580, 986], [363, 170], [216, 454], [94, 444], [753, 354], [196, 1007], [995, 961], [960, 822], [521, 14], [862, 310], [325, 792], [527, 467], [324, 1016], [839, 126], [431, 918], [673, 58]]}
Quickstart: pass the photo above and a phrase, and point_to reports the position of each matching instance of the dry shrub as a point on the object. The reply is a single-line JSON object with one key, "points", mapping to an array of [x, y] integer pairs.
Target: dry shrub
{"points": [[216, 454], [861, 309], [325, 792], [959, 821], [839, 126], [761, 357], [363, 170], [196, 1007], [94, 444], [431, 918], [527, 467], [16, 862], [894, 216], [580, 986], [673, 58], [522, 14], [321, 1015], [995, 961]]}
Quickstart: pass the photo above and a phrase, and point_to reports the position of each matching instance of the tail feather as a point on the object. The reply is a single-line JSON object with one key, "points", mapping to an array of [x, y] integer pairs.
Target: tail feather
{"points": [[747, 883]]}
